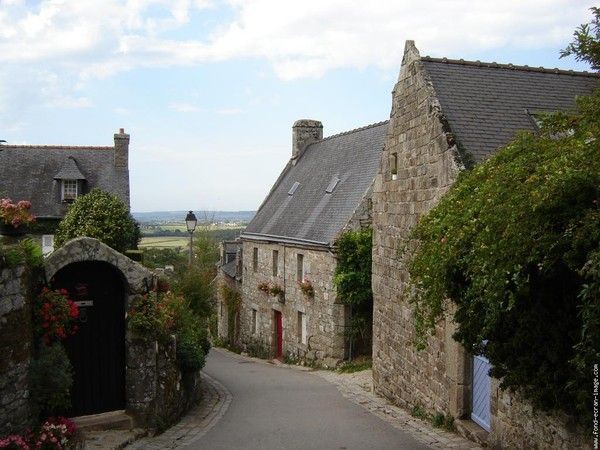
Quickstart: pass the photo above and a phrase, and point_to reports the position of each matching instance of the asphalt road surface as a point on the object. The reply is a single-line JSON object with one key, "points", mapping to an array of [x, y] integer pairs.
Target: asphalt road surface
{"points": [[281, 408]]}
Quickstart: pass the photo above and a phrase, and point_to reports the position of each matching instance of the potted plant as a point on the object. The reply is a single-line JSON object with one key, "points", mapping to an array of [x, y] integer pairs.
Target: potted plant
{"points": [[14, 217], [307, 288]]}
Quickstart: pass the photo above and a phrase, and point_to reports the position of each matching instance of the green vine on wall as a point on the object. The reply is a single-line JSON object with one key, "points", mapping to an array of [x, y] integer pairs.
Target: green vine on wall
{"points": [[233, 302], [515, 245], [353, 282]]}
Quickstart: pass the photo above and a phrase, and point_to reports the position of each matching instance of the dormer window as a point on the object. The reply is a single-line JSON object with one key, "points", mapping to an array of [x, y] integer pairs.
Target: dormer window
{"points": [[69, 190], [71, 180]]}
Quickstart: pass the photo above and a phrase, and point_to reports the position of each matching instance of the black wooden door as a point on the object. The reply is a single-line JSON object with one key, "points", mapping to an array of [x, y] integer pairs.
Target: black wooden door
{"points": [[97, 350]]}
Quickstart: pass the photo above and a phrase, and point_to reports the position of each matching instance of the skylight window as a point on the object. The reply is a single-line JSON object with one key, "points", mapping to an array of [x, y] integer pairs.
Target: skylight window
{"points": [[293, 188], [332, 184]]}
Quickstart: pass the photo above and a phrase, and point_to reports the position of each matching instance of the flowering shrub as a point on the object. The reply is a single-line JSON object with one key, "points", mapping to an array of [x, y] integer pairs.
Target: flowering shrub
{"points": [[56, 433], [14, 441], [273, 289], [55, 314], [15, 214], [307, 288]]}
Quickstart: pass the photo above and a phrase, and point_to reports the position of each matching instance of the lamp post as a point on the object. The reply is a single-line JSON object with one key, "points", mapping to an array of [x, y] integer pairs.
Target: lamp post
{"points": [[190, 223]]}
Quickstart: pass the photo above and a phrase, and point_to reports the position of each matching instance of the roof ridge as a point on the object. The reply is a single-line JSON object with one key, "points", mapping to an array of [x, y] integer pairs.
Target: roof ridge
{"points": [[496, 65], [344, 133], [59, 147]]}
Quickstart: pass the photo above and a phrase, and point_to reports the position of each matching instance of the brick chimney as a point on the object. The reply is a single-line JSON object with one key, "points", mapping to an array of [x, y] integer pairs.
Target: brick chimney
{"points": [[304, 133], [122, 149]]}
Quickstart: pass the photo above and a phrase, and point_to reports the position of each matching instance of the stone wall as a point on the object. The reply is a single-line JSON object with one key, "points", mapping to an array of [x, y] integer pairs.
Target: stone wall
{"points": [[516, 424], [15, 351], [158, 393], [426, 168], [324, 317], [439, 377], [226, 331]]}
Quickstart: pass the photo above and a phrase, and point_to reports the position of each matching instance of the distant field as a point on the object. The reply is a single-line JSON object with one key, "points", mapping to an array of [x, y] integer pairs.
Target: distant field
{"points": [[164, 242]]}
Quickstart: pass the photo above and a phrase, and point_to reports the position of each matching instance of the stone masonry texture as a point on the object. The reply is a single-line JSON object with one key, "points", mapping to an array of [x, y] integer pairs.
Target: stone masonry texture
{"points": [[15, 351], [324, 316], [438, 378]]}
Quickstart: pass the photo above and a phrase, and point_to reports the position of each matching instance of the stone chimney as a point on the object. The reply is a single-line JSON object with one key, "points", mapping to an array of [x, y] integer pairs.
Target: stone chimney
{"points": [[122, 149], [304, 133]]}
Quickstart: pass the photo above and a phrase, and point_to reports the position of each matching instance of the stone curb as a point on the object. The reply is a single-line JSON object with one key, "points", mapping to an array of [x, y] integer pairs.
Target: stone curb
{"points": [[214, 404]]}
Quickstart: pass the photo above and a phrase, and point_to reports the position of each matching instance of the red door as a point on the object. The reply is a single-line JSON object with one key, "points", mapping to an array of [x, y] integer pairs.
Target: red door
{"points": [[279, 334]]}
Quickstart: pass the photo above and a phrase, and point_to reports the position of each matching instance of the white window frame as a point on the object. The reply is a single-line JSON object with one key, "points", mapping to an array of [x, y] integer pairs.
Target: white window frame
{"points": [[67, 187], [300, 274]]}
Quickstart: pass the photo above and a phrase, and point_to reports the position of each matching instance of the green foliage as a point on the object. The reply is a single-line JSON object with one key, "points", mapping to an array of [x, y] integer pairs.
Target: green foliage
{"points": [[195, 285], [353, 282], [445, 421], [155, 258], [233, 301], [358, 365], [510, 245], [50, 379], [27, 252], [586, 46], [99, 215], [158, 315]]}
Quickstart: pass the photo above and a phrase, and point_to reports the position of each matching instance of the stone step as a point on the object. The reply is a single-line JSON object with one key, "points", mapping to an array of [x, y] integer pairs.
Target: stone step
{"points": [[111, 420]]}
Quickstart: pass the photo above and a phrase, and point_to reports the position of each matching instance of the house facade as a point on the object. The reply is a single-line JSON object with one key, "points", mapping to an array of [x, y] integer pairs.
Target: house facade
{"points": [[448, 115], [51, 177], [289, 304]]}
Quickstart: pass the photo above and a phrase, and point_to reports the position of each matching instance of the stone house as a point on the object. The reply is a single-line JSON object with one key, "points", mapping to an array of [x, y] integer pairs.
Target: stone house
{"points": [[53, 176], [289, 246], [229, 283], [447, 115]]}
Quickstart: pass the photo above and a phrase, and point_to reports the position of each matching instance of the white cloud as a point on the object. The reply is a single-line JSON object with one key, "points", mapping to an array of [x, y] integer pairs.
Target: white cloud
{"points": [[82, 40]]}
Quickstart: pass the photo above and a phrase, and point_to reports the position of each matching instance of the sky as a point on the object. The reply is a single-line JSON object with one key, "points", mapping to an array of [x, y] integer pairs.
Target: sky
{"points": [[209, 89]]}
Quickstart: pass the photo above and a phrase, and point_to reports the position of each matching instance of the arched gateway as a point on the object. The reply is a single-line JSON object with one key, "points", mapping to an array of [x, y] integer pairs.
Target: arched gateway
{"points": [[100, 280]]}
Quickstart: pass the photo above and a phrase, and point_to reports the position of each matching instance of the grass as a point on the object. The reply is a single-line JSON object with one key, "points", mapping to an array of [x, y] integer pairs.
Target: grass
{"points": [[356, 365], [164, 242]]}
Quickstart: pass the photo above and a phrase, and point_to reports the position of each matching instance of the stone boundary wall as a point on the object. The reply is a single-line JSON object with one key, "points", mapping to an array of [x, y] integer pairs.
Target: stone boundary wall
{"points": [[157, 392], [324, 317], [16, 351]]}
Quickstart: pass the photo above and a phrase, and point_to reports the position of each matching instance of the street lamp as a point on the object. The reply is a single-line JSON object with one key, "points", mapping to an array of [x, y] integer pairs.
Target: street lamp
{"points": [[190, 223]]}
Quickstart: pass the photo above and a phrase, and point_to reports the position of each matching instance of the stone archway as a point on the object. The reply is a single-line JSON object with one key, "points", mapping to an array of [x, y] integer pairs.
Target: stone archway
{"points": [[102, 281], [139, 279]]}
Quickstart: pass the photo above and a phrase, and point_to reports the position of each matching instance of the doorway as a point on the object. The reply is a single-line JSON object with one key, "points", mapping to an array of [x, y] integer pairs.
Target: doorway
{"points": [[97, 350], [278, 320]]}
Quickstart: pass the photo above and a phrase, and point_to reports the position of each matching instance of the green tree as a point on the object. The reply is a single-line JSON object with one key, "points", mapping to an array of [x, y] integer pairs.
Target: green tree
{"points": [[100, 215], [353, 283], [516, 246]]}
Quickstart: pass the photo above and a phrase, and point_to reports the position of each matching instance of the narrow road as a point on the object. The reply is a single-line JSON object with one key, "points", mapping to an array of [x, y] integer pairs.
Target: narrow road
{"points": [[281, 408]]}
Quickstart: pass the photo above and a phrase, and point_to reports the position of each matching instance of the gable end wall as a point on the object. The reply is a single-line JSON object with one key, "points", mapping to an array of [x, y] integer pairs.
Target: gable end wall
{"points": [[427, 167]]}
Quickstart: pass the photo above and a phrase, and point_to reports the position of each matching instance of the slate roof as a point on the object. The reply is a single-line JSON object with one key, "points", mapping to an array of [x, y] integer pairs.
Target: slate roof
{"points": [[69, 171], [487, 103], [312, 215], [28, 172], [229, 268]]}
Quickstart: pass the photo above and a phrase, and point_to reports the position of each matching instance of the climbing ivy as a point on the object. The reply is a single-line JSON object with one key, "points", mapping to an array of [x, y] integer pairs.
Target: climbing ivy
{"points": [[353, 282], [515, 245]]}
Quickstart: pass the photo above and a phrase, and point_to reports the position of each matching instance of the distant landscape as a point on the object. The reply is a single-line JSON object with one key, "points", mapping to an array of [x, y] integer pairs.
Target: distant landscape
{"points": [[166, 229], [202, 216]]}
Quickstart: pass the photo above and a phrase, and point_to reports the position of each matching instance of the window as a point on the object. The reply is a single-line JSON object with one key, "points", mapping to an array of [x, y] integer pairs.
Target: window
{"points": [[394, 166], [275, 263], [47, 244], [255, 259], [69, 190], [293, 188], [302, 339], [300, 267], [254, 324]]}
